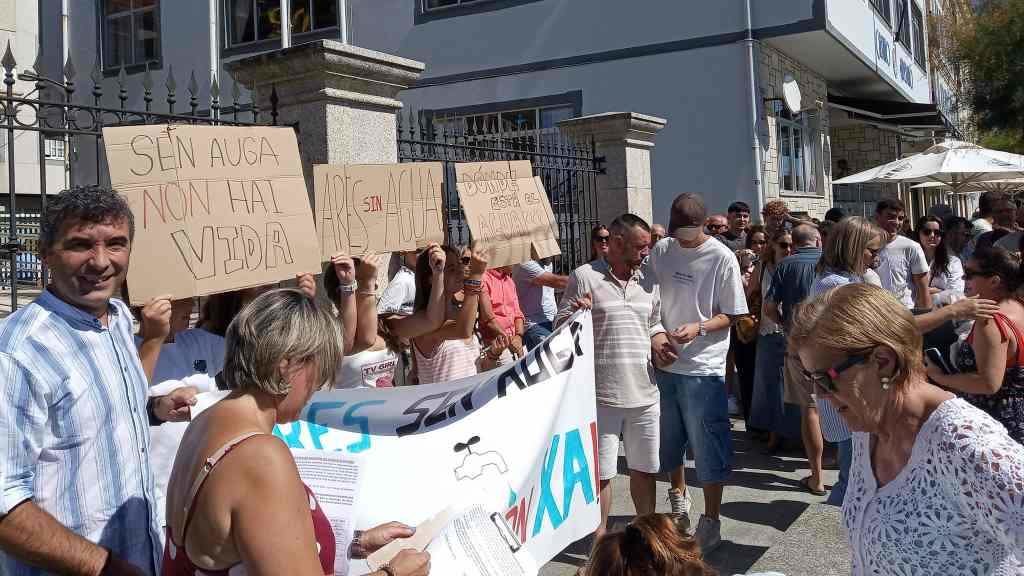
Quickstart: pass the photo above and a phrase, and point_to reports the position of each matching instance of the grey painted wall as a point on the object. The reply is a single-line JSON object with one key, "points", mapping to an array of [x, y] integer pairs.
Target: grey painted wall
{"points": [[705, 147], [546, 29]]}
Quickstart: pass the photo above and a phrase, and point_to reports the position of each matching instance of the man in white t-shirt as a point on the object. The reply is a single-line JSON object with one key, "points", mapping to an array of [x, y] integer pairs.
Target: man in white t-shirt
{"points": [[701, 293], [903, 267]]}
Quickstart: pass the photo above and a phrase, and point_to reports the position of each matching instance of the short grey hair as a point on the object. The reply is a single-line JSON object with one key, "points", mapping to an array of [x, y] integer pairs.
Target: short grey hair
{"points": [[278, 325]]}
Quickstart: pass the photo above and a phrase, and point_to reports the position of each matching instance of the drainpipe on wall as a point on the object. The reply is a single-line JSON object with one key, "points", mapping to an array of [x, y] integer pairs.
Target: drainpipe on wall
{"points": [[755, 114], [214, 45]]}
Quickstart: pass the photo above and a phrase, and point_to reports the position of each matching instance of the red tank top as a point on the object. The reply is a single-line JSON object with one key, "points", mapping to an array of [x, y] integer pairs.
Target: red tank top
{"points": [[176, 561]]}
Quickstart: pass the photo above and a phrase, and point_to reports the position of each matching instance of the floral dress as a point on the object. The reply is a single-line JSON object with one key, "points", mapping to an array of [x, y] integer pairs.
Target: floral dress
{"points": [[1006, 405]]}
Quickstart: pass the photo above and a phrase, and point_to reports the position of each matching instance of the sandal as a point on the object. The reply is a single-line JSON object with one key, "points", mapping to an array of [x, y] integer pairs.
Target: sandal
{"points": [[805, 482]]}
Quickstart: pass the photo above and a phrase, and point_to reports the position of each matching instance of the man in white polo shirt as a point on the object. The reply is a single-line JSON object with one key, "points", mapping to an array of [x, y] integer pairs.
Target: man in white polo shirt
{"points": [[701, 291], [626, 314]]}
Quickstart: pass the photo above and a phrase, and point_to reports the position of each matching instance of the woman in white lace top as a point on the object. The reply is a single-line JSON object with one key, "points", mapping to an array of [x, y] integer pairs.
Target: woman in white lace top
{"points": [[936, 485]]}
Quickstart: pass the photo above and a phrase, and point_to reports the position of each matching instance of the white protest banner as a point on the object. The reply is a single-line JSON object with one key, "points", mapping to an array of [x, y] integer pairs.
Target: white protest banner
{"points": [[378, 208], [216, 208], [520, 440], [507, 209]]}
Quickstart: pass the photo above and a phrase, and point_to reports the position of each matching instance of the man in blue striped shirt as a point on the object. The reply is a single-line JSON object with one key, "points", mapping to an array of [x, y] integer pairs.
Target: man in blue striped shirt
{"points": [[77, 492]]}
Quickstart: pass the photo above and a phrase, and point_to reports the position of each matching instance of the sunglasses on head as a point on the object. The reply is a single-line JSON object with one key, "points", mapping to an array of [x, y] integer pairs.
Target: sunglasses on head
{"points": [[826, 379]]}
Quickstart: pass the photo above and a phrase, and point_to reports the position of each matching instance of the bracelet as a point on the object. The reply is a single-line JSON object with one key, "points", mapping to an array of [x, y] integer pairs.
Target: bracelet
{"points": [[348, 288], [387, 569], [472, 282], [368, 291]]}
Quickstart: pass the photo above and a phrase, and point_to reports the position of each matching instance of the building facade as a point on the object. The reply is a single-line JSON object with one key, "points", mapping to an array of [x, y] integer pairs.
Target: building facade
{"points": [[19, 30], [716, 71]]}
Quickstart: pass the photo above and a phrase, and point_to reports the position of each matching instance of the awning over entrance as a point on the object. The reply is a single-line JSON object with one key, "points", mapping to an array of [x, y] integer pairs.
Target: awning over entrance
{"points": [[903, 115]]}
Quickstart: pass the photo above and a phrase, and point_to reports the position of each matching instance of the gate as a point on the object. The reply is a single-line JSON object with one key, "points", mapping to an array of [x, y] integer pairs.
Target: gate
{"points": [[66, 118], [568, 169]]}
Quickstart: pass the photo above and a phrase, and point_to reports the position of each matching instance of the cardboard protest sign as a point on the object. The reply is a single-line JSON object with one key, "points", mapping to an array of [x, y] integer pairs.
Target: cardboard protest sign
{"points": [[378, 207], [216, 208], [508, 210], [520, 441]]}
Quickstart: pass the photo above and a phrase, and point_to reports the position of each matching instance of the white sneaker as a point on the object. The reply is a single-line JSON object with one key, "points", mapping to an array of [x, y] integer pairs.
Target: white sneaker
{"points": [[734, 407], [708, 534], [680, 504]]}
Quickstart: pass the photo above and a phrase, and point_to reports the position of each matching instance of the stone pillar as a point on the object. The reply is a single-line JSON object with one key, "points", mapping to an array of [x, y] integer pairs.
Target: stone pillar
{"points": [[625, 140], [342, 98]]}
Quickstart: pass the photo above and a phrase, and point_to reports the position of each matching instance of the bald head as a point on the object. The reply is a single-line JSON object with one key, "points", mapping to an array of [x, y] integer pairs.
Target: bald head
{"points": [[717, 224], [806, 236]]}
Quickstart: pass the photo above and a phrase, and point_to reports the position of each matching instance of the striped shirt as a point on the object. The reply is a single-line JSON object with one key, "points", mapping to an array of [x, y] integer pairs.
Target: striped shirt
{"points": [[75, 430], [626, 315], [833, 428]]}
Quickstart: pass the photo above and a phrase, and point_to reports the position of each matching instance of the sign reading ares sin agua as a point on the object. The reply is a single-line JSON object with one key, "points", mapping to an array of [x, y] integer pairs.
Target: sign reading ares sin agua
{"points": [[216, 208]]}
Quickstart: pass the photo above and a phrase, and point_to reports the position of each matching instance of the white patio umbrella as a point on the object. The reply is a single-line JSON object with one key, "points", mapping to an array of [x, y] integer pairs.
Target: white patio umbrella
{"points": [[1005, 185], [953, 163]]}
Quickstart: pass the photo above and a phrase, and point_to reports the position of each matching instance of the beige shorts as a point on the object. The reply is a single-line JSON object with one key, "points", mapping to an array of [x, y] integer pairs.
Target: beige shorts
{"points": [[639, 428], [795, 388]]}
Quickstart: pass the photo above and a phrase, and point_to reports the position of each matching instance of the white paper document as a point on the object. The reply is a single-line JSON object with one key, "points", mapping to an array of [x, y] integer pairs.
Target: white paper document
{"points": [[334, 478], [470, 543]]}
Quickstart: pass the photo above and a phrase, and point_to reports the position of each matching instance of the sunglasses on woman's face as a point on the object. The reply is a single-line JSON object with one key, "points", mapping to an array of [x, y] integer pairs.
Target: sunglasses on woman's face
{"points": [[931, 232], [826, 379], [466, 260], [602, 239], [784, 245]]}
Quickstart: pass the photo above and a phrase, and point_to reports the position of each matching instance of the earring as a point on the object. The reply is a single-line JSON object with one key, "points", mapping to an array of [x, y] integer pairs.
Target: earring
{"points": [[885, 382]]}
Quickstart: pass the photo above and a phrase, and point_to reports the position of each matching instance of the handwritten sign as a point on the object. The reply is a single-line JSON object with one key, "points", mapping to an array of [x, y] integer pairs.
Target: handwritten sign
{"points": [[216, 208], [507, 210], [378, 207]]}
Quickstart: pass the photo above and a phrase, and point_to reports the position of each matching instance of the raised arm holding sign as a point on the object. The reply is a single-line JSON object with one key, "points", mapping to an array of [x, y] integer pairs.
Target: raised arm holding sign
{"points": [[375, 208], [217, 208], [507, 208]]}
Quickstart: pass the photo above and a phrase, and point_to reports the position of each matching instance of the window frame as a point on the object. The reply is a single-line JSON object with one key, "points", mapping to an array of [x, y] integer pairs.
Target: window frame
{"points": [[917, 33], [795, 124], [899, 32], [50, 144], [886, 15], [102, 19], [227, 48], [423, 14]]}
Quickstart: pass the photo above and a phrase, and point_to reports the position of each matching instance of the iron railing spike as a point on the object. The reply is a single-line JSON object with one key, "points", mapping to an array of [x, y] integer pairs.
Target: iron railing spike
{"points": [[69, 69], [147, 79], [8, 62], [214, 88], [193, 85], [97, 73], [171, 83]]}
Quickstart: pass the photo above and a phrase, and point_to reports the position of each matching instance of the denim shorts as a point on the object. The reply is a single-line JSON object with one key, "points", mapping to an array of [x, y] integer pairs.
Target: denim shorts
{"points": [[695, 412]]}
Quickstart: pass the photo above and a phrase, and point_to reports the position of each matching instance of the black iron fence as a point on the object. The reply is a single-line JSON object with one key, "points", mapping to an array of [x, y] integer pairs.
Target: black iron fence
{"points": [[860, 199], [568, 168], [68, 119]]}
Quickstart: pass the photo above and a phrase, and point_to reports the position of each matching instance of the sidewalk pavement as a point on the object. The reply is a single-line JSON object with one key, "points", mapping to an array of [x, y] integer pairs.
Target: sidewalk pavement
{"points": [[764, 509]]}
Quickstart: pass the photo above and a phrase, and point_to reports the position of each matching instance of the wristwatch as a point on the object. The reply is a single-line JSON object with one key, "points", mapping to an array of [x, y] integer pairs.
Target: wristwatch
{"points": [[701, 329]]}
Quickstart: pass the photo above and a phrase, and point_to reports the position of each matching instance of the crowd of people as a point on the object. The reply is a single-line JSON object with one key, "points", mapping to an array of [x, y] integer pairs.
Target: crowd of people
{"points": [[895, 352]]}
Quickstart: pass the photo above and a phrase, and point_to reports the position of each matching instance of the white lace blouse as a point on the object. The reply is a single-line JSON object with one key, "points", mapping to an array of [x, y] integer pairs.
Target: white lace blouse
{"points": [[957, 507]]}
